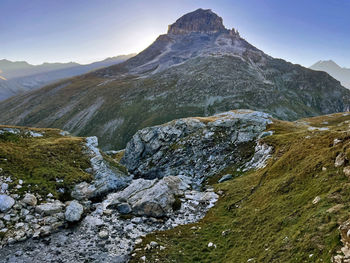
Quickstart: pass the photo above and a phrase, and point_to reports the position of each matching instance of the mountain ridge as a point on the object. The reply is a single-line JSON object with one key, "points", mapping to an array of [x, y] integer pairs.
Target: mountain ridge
{"points": [[178, 75], [31, 77]]}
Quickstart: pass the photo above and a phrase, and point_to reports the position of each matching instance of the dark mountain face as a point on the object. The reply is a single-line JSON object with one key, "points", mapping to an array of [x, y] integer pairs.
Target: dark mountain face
{"points": [[198, 68], [333, 69]]}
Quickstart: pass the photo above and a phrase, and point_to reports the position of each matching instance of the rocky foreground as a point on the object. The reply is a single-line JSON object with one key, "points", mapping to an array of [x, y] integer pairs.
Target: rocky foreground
{"points": [[166, 186]]}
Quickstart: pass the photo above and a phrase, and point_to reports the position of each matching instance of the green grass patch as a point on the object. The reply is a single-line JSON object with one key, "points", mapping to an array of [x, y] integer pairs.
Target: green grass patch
{"points": [[45, 164], [268, 215]]}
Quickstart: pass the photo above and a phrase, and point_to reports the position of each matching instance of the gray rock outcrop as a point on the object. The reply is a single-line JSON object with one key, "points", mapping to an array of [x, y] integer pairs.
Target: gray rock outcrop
{"points": [[196, 147], [106, 177]]}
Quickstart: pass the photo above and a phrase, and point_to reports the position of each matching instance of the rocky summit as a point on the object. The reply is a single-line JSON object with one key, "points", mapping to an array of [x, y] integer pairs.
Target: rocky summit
{"points": [[198, 68], [203, 21]]}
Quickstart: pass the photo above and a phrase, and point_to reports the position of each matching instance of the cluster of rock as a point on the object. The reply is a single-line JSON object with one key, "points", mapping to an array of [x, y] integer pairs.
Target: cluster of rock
{"points": [[197, 147], [22, 218], [344, 254], [168, 163], [105, 235], [23, 132]]}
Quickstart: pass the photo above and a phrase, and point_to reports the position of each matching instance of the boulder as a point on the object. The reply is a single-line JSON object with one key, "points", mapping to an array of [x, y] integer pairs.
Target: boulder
{"points": [[153, 198], [6, 202], [74, 211], [49, 208], [30, 199]]}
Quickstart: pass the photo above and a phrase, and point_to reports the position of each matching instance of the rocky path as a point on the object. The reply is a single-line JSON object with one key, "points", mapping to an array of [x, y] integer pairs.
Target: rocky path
{"points": [[104, 236]]}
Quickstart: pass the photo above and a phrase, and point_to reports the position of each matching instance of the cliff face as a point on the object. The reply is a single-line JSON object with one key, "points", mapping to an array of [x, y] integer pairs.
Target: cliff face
{"points": [[203, 21]]}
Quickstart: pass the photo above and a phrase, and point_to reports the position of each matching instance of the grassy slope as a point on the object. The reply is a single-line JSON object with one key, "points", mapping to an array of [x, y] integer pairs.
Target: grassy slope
{"points": [[268, 214], [43, 162], [110, 109]]}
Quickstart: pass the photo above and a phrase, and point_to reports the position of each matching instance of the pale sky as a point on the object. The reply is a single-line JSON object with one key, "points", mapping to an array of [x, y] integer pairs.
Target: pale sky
{"points": [[84, 31]]}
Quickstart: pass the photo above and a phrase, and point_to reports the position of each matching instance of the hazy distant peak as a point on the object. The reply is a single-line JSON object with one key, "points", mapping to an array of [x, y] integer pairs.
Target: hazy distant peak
{"points": [[200, 20], [333, 69], [326, 63]]}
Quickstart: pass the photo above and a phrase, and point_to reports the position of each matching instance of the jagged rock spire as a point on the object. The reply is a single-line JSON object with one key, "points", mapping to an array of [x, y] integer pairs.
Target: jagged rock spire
{"points": [[201, 20]]}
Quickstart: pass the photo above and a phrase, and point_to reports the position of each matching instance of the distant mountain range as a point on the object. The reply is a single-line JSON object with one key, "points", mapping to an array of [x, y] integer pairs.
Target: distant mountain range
{"points": [[333, 69], [198, 68], [20, 76]]}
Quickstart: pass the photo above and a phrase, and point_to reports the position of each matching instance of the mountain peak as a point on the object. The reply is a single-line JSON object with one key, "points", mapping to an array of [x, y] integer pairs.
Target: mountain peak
{"points": [[201, 20]]}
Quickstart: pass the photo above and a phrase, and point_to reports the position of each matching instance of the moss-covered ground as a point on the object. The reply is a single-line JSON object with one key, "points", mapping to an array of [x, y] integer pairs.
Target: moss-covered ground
{"points": [[268, 215], [46, 164]]}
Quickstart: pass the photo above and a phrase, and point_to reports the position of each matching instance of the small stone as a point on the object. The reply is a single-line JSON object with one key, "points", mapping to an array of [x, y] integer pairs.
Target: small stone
{"points": [[346, 171], [339, 160], [225, 178], [225, 233], [143, 258], [316, 200], [324, 169], [336, 141], [20, 181], [4, 187], [138, 241], [137, 220], [161, 248], [49, 195], [124, 208], [30, 199], [211, 244], [103, 234], [153, 244], [107, 212]]}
